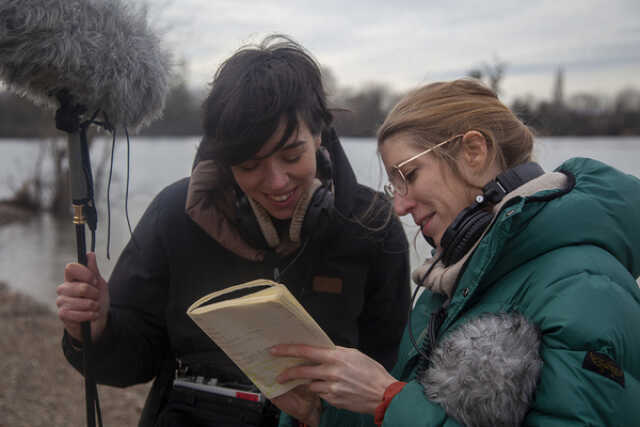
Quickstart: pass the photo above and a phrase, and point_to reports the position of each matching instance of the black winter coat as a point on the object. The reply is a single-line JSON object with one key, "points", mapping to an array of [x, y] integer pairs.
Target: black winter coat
{"points": [[171, 262]]}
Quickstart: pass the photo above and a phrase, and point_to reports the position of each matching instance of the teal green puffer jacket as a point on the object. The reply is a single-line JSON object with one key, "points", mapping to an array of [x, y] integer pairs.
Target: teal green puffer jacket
{"points": [[543, 328]]}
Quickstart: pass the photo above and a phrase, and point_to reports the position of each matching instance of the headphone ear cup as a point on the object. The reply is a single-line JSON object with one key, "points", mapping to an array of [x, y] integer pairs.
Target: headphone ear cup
{"points": [[318, 216], [458, 224], [465, 230]]}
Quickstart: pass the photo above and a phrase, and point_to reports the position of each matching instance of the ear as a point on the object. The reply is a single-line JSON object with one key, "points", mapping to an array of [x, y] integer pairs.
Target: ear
{"points": [[475, 151], [317, 140]]}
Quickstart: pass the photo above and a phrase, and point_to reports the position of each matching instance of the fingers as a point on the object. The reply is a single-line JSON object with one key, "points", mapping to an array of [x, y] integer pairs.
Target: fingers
{"points": [[324, 389], [79, 296], [78, 290], [313, 354], [77, 316], [305, 372], [321, 359], [326, 364], [83, 297], [77, 302], [344, 377], [76, 272], [68, 303], [79, 273]]}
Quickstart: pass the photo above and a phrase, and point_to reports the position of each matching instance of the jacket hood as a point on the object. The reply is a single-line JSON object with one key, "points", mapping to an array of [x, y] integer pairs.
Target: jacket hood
{"points": [[218, 219], [599, 209], [584, 203]]}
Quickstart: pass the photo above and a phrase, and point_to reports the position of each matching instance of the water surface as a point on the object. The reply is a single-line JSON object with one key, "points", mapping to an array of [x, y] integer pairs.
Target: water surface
{"points": [[34, 253]]}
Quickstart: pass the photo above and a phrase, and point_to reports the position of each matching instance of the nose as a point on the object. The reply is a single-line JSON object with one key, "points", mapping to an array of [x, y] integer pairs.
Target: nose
{"points": [[276, 177], [402, 205]]}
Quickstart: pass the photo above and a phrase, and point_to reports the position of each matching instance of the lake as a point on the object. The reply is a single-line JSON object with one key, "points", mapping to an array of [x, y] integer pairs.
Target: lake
{"points": [[33, 253]]}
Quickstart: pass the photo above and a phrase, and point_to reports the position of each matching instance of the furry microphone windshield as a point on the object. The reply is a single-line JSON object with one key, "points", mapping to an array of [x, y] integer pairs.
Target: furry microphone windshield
{"points": [[101, 53]]}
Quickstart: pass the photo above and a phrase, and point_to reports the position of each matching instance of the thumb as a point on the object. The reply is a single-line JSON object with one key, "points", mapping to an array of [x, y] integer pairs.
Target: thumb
{"points": [[92, 265]]}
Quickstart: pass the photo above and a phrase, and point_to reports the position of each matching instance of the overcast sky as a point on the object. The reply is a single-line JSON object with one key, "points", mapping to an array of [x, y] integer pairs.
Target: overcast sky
{"points": [[405, 43]]}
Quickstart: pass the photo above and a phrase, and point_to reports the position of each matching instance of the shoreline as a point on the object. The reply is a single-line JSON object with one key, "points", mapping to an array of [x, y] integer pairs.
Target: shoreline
{"points": [[38, 387], [13, 212]]}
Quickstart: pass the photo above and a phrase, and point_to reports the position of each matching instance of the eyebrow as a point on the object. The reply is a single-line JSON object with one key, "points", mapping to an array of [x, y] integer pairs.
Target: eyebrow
{"points": [[293, 145], [287, 147]]}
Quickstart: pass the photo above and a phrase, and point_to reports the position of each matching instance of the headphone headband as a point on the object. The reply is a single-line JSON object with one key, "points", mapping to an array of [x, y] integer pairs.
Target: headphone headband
{"points": [[509, 180], [469, 224]]}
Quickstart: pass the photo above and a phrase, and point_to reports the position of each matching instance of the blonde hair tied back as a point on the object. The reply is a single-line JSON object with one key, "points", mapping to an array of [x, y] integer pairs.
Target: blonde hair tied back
{"points": [[437, 111]]}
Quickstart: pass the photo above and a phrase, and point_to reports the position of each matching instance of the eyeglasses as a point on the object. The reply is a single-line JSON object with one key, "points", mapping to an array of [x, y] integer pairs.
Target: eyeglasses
{"points": [[398, 181]]}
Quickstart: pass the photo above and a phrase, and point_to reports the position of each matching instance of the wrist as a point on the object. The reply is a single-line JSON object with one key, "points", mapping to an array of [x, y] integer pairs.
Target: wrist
{"points": [[389, 393]]}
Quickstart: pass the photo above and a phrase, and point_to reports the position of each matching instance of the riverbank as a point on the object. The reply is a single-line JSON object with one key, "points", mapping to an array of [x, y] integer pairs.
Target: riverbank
{"points": [[37, 386]]}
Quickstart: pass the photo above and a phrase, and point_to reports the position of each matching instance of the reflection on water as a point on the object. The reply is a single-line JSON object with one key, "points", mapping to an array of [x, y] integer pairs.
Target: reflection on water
{"points": [[33, 253]]}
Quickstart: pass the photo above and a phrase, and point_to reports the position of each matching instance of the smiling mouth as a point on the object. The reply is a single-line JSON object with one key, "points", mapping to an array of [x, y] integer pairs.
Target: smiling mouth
{"points": [[280, 198]]}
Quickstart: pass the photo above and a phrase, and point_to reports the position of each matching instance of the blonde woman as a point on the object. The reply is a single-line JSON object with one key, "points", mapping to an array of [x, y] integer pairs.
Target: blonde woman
{"points": [[530, 311]]}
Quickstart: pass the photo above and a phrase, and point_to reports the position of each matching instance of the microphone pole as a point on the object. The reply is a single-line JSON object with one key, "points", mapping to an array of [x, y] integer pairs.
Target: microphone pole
{"points": [[92, 57], [84, 213]]}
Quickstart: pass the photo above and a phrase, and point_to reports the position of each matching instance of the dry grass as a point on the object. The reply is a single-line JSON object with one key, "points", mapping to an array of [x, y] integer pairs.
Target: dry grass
{"points": [[37, 385]]}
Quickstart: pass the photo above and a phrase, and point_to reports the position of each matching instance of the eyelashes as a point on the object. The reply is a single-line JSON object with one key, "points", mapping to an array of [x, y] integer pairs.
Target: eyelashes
{"points": [[411, 175]]}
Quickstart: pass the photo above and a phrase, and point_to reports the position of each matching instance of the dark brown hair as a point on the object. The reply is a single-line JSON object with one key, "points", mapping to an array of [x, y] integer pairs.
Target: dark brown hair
{"points": [[252, 91]]}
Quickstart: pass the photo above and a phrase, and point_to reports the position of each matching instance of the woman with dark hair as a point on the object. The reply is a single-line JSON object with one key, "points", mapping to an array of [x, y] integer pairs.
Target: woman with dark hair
{"points": [[271, 195], [530, 310]]}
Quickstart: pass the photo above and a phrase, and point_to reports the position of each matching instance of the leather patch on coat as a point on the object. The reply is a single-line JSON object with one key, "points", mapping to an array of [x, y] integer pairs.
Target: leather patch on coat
{"points": [[330, 285], [603, 365]]}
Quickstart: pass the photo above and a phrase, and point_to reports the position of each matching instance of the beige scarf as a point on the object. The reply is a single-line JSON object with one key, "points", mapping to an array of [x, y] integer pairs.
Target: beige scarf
{"points": [[220, 225]]}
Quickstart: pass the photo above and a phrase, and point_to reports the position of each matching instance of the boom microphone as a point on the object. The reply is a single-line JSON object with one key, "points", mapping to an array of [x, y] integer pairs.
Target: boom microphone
{"points": [[85, 58], [101, 52]]}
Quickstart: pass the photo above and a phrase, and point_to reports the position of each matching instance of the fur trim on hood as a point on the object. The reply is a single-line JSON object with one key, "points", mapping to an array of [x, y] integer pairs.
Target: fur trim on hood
{"points": [[204, 180], [485, 372]]}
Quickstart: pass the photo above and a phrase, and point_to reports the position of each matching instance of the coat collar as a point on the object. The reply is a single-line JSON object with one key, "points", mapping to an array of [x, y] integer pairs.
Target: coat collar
{"points": [[216, 219]]}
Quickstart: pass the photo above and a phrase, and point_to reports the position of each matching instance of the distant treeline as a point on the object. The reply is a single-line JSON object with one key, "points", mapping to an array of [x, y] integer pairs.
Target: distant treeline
{"points": [[360, 112], [583, 115]]}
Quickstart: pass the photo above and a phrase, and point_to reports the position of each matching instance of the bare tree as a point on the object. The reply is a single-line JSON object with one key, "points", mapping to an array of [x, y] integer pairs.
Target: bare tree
{"points": [[490, 73]]}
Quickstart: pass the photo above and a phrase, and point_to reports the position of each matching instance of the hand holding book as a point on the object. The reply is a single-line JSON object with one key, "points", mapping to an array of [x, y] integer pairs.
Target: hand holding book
{"points": [[246, 320]]}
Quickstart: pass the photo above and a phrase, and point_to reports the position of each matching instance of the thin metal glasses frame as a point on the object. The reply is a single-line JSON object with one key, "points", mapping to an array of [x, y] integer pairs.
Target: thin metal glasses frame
{"points": [[393, 189]]}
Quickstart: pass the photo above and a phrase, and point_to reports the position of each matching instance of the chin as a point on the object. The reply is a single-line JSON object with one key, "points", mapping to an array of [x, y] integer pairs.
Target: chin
{"points": [[280, 214]]}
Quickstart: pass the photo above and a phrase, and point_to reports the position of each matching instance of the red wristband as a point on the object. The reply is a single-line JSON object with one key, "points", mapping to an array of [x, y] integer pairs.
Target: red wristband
{"points": [[389, 394]]}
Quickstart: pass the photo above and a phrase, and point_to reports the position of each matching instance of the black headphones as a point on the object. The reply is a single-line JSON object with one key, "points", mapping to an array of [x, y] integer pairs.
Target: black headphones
{"points": [[317, 217], [469, 225]]}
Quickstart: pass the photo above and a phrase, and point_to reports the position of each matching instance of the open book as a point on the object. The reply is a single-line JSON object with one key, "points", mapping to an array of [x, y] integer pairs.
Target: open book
{"points": [[246, 320]]}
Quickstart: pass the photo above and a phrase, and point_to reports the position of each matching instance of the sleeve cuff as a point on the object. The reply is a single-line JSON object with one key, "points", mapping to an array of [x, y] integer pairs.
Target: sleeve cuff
{"points": [[389, 394]]}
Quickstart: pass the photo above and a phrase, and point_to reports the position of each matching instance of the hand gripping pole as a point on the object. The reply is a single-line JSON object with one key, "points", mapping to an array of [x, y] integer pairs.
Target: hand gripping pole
{"points": [[84, 212]]}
